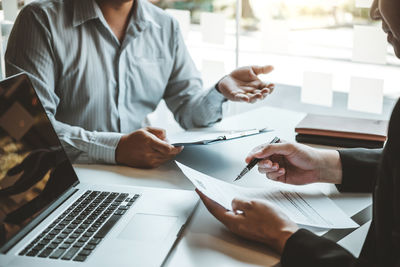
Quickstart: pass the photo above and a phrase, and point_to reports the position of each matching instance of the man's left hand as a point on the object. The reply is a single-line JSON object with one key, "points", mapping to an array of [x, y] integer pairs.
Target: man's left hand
{"points": [[243, 84]]}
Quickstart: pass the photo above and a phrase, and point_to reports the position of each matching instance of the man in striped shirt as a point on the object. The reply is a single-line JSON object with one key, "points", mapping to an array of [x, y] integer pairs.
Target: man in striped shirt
{"points": [[100, 67]]}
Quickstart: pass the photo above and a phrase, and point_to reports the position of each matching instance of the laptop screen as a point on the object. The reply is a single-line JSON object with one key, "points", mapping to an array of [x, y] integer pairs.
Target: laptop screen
{"points": [[34, 169]]}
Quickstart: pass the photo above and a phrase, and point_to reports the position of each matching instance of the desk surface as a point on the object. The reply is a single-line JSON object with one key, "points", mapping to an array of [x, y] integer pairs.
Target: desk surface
{"points": [[205, 240]]}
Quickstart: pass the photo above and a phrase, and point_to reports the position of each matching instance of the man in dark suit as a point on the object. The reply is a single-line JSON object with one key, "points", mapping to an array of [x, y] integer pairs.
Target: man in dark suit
{"points": [[356, 170]]}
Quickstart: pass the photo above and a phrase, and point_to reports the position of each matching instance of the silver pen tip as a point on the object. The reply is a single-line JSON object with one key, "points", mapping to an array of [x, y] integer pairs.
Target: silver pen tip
{"points": [[238, 177], [243, 172]]}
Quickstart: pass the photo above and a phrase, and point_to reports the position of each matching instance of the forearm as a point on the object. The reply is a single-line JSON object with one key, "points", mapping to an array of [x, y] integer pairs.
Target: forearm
{"points": [[194, 107], [184, 95], [84, 146], [359, 167], [205, 109], [330, 167], [352, 170], [304, 248]]}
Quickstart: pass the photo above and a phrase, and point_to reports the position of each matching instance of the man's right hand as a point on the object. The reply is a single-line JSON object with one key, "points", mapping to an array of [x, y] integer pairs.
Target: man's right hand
{"points": [[145, 148], [298, 164]]}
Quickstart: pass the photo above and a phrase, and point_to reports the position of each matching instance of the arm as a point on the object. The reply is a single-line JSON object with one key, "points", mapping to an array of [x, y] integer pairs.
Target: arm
{"points": [[352, 170], [359, 169], [184, 95], [30, 49], [263, 222], [194, 107], [304, 248]]}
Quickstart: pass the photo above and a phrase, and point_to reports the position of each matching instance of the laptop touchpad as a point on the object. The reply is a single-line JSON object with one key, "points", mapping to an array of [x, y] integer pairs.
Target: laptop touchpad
{"points": [[148, 227]]}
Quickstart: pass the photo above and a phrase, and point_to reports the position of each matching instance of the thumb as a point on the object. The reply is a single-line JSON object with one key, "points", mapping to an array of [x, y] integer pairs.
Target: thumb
{"points": [[160, 133], [283, 149], [241, 204], [262, 69]]}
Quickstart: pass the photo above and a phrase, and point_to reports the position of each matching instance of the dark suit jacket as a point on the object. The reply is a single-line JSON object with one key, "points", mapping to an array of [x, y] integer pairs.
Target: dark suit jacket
{"points": [[364, 170]]}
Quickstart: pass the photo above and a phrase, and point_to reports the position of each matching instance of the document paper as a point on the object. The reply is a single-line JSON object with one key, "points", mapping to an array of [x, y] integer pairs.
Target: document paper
{"points": [[312, 209]]}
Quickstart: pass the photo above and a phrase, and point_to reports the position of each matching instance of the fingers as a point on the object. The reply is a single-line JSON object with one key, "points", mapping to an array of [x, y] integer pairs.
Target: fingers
{"points": [[257, 90], [262, 69], [241, 205], [219, 212], [278, 175], [268, 150], [160, 133], [160, 145], [241, 97], [165, 149]]}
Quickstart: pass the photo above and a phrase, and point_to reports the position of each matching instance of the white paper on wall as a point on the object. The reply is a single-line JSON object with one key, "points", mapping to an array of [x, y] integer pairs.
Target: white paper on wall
{"points": [[183, 17], [317, 88], [366, 95], [213, 27], [10, 9], [369, 44], [212, 71], [275, 36], [364, 3]]}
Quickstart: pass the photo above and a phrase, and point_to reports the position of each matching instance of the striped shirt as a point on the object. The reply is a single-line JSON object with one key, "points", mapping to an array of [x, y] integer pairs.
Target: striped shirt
{"points": [[95, 88]]}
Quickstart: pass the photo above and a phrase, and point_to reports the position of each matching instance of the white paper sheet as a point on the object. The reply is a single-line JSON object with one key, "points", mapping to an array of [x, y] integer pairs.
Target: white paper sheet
{"points": [[364, 3], [369, 44], [199, 136], [10, 8], [213, 27], [183, 17], [317, 88], [193, 136], [306, 208], [366, 95]]}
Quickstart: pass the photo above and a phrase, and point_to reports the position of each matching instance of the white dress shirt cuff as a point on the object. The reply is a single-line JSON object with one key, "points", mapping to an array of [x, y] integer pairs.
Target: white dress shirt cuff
{"points": [[215, 98], [103, 145]]}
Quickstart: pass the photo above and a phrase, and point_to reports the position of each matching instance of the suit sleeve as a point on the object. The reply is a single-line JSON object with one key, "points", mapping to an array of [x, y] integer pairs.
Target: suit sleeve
{"points": [[360, 169], [304, 248]]}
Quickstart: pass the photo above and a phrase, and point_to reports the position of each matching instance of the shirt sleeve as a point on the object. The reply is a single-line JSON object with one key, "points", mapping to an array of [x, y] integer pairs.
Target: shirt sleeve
{"points": [[31, 50], [304, 248], [191, 105], [360, 169]]}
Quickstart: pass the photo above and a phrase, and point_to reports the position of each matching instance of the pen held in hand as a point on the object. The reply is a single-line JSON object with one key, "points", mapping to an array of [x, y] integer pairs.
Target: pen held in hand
{"points": [[254, 161]]}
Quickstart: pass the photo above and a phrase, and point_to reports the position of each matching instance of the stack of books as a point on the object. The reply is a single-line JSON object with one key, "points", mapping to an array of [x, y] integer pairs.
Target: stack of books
{"points": [[342, 131]]}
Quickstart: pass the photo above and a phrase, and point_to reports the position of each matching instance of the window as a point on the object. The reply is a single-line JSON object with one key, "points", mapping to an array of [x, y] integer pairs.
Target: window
{"points": [[331, 42]]}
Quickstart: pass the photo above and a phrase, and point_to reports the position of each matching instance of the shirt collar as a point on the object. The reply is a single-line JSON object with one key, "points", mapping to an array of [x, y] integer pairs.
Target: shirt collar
{"points": [[141, 16], [84, 10]]}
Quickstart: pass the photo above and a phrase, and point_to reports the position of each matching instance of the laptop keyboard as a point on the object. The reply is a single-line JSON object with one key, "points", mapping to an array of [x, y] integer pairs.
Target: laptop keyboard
{"points": [[78, 230]]}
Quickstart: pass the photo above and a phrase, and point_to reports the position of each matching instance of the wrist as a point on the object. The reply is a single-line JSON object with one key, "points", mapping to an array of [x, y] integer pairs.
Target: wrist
{"points": [[330, 167], [218, 83], [284, 236], [118, 152]]}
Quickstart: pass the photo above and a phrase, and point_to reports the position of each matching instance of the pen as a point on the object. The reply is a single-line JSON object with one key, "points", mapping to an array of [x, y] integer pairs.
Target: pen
{"points": [[254, 161]]}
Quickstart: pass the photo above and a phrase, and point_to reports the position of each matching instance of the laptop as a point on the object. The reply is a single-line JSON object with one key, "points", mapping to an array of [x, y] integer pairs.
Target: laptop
{"points": [[47, 217]]}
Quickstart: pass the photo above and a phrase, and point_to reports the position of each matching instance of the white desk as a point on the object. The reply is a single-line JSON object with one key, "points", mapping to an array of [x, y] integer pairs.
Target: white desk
{"points": [[205, 241]]}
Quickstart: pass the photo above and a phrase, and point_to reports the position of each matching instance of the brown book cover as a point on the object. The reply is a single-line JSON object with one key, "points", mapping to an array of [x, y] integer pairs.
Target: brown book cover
{"points": [[343, 127]]}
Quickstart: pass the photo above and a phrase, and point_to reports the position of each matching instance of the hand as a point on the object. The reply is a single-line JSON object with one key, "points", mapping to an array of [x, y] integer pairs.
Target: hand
{"points": [[145, 148], [297, 164], [243, 85], [33, 169], [254, 219]]}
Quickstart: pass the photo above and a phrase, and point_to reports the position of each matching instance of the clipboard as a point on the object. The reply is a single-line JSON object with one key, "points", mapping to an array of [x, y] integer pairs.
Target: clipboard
{"points": [[225, 136]]}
